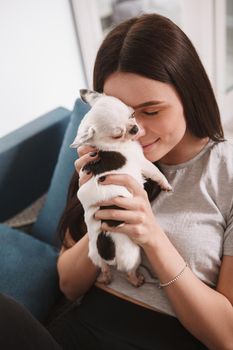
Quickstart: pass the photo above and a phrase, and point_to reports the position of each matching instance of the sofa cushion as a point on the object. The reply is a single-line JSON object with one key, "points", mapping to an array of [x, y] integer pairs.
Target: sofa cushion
{"points": [[28, 271], [47, 222]]}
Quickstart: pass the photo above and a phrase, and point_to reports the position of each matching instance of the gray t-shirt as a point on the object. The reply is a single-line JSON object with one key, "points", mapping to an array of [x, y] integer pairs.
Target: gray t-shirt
{"points": [[197, 218]]}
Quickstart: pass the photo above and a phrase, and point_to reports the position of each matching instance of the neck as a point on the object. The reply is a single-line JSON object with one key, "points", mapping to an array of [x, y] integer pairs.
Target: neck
{"points": [[185, 150]]}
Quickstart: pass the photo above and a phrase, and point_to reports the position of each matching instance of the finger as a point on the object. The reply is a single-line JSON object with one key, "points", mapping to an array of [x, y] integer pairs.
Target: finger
{"points": [[126, 180], [128, 203], [83, 160], [85, 149], [129, 217], [124, 228], [84, 178]]}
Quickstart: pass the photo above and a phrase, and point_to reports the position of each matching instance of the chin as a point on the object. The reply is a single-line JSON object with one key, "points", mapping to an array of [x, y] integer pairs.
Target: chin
{"points": [[152, 157]]}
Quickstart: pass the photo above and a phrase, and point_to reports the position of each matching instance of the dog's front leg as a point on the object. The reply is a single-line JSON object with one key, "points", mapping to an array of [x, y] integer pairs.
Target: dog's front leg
{"points": [[105, 274], [135, 278], [150, 171]]}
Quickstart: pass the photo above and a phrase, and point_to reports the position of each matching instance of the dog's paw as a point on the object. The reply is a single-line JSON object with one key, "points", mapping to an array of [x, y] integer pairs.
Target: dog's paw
{"points": [[167, 188], [136, 279], [105, 277], [164, 185]]}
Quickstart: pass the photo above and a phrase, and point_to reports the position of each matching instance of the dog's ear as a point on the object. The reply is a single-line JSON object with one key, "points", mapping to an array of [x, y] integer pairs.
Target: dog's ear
{"points": [[83, 137], [89, 96]]}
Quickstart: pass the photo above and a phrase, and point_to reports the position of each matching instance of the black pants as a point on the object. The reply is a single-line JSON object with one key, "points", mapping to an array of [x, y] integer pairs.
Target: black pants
{"points": [[101, 322], [20, 330]]}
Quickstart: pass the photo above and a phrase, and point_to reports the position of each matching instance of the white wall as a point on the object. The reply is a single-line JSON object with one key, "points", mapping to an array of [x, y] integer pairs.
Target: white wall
{"points": [[203, 21], [40, 63]]}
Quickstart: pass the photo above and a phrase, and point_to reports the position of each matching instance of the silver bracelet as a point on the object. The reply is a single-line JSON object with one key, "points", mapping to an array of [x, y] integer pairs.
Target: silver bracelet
{"points": [[162, 285]]}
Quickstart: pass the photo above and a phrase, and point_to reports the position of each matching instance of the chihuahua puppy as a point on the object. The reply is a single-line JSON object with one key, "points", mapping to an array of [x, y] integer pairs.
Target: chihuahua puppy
{"points": [[110, 127]]}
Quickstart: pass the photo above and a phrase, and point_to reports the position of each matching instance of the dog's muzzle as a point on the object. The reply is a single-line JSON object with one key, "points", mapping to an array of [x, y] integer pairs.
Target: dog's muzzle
{"points": [[134, 130]]}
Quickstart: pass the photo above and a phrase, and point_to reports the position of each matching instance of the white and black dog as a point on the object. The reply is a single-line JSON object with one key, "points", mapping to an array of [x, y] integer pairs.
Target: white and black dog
{"points": [[110, 127]]}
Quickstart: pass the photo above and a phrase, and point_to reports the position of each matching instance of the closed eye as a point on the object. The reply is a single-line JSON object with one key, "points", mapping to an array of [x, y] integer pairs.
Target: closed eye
{"points": [[117, 137], [151, 113]]}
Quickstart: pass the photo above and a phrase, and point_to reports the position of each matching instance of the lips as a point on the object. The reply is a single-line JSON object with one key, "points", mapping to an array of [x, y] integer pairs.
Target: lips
{"points": [[149, 144]]}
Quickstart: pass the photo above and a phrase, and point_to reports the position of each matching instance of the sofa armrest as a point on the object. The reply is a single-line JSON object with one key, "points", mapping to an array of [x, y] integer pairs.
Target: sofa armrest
{"points": [[27, 160]]}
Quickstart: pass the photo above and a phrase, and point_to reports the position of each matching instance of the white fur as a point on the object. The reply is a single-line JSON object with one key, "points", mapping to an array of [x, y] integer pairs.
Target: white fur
{"points": [[107, 118]]}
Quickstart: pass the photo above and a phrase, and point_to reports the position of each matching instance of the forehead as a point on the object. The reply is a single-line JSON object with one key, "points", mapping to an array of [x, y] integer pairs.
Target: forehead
{"points": [[135, 90]]}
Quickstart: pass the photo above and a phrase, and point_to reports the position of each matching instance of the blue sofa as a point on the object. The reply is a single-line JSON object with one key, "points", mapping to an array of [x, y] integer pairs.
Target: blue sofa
{"points": [[34, 160]]}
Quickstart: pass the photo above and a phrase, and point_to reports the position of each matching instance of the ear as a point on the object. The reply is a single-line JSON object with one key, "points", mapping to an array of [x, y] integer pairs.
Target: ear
{"points": [[90, 96], [83, 137]]}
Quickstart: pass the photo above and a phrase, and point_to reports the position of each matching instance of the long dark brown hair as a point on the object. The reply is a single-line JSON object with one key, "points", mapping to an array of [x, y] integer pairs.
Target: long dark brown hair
{"points": [[154, 47]]}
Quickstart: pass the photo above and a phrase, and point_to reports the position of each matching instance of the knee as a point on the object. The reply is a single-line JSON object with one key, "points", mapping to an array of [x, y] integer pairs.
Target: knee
{"points": [[11, 311]]}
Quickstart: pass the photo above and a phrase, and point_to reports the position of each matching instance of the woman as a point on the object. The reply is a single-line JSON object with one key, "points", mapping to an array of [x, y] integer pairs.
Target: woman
{"points": [[186, 237], [149, 64]]}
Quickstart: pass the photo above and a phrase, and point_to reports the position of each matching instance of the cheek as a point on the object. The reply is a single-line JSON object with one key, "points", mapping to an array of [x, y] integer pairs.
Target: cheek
{"points": [[176, 125], [181, 122]]}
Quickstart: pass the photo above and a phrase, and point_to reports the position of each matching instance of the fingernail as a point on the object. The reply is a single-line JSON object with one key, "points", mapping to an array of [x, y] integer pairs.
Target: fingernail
{"points": [[102, 178], [93, 154]]}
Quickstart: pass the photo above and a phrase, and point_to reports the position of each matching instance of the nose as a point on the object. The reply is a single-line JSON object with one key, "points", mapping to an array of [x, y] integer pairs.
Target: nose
{"points": [[134, 130]]}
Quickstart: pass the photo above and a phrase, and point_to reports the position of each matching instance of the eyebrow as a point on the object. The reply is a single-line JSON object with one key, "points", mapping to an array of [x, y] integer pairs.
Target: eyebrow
{"points": [[146, 104]]}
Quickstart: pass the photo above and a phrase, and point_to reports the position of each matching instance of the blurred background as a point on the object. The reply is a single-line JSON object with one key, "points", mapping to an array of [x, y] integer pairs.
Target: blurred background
{"points": [[48, 49]]}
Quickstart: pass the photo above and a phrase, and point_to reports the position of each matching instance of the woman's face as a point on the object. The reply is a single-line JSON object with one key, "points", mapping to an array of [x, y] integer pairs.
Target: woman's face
{"points": [[158, 110]]}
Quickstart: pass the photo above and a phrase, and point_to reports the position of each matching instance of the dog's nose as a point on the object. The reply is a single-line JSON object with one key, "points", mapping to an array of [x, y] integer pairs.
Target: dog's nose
{"points": [[134, 130]]}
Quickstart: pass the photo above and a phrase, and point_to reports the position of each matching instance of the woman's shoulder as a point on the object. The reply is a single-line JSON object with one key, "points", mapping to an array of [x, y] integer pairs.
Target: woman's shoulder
{"points": [[224, 147], [221, 161], [218, 175], [223, 153]]}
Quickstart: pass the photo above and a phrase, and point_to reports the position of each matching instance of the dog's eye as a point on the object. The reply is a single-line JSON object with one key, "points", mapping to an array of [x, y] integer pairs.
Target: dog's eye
{"points": [[132, 116], [117, 136], [117, 133]]}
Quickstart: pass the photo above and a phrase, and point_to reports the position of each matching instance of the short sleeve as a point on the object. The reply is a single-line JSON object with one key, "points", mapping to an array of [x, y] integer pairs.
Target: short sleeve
{"points": [[228, 235]]}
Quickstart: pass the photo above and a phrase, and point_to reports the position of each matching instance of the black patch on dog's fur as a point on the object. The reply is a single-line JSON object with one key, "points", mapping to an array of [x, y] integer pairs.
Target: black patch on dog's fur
{"points": [[108, 160], [152, 189], [112, 223], [106, 246]]}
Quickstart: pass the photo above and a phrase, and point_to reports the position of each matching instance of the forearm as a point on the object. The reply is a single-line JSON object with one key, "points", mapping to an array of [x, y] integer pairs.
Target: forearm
{"points": [[207, 314], [76, 271]]}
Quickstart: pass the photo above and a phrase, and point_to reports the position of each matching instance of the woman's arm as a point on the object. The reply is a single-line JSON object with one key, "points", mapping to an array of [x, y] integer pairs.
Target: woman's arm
{"points": [[206, 313], [76, 271]]}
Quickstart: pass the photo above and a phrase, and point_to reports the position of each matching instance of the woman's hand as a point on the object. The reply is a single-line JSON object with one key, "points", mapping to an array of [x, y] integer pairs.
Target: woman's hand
{"points": [[139, 221], [86, 154]]}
